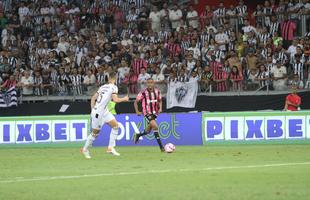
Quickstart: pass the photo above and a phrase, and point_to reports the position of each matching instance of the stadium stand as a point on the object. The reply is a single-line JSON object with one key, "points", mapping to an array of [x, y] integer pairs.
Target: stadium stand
{"points": [[65, 49]]}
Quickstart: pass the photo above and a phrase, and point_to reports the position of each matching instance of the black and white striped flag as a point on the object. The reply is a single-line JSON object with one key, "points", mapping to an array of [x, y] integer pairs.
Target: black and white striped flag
{"points": [[8, 98]]}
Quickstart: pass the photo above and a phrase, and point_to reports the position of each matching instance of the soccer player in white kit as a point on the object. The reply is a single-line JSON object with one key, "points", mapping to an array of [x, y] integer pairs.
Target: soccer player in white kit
{"points": [[101, 115]]}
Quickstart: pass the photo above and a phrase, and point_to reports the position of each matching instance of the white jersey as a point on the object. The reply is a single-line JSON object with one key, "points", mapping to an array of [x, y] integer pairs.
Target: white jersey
{"points": [[104, 97]]}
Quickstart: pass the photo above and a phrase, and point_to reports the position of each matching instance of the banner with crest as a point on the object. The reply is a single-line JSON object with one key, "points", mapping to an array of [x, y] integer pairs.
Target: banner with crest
{"points": [[8, 98], [182, 94]]}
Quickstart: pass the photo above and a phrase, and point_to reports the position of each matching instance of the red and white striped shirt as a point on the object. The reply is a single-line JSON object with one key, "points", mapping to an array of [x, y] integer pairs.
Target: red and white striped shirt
{"points": [[138, 64]]}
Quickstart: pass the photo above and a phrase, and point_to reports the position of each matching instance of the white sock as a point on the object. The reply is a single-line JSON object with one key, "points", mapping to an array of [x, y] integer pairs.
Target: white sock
{"points": [[113, 136], [89, 141]]}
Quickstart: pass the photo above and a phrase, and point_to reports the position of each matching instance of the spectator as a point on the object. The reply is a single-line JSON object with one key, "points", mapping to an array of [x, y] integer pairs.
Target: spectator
{"points": [[131, 80], [62, 82], [236, 79], [221, 39], [252, 81], [288, 28], [46, 82], [143, 19], [220, 79], [90, 82], [263, 77], [155, 17], [279, 76], [298, 67], [175, 16], [11, 82], [52, 37], [182, 77], [295, 82], [143, 77], [192, 17], [76, 81], [194, 76], [37, 86], [206, 78], [23, 12], [26, 83]]}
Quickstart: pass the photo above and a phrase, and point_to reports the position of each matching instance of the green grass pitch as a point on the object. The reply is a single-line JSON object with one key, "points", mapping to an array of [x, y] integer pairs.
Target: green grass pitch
{"points": [[215, 172]]}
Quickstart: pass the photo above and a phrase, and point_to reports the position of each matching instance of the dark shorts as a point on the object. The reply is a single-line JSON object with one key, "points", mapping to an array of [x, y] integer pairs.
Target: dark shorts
{"points": [[150, 117]]}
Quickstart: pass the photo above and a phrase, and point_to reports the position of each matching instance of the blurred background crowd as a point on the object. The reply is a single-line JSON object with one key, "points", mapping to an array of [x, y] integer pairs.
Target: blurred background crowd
{"points": [[66, 47]]}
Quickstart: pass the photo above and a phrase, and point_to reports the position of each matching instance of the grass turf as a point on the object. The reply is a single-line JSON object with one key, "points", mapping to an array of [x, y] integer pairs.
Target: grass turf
{"points": [[190, 182]]}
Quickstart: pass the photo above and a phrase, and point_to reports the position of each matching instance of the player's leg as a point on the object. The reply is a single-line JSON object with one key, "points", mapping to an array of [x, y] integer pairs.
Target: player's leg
{"points": [[89, 141], [154, 126], [113, 135], [96, 124], [146, 131]]}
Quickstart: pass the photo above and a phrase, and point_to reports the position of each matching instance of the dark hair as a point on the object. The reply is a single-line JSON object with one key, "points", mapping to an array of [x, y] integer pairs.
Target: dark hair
{"points": [[232, 70]]}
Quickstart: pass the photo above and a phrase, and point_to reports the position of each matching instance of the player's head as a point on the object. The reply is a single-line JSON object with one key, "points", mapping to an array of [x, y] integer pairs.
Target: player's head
{"points": [[294, 89], [150, 84], [112, 77]]}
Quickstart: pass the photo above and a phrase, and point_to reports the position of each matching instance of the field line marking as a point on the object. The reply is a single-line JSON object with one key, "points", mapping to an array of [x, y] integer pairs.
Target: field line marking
{"points": [[47, 178]]}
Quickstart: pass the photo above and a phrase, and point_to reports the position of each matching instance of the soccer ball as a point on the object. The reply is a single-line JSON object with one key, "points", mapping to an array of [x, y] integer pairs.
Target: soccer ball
{"points": [[169, 148]]}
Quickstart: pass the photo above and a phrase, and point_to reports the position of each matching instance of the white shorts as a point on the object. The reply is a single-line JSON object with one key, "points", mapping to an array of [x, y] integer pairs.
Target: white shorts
{"points": [[98, 119]]}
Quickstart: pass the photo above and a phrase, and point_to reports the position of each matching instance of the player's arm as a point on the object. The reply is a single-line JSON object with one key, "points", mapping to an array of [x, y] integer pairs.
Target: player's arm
{"points": [[160, 102], [136, 107], [93, 100], [117, 99], [160, 106], [292, 104]]}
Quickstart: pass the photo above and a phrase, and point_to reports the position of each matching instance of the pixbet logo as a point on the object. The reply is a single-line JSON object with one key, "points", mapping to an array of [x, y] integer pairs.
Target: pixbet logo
{"points": [[257, 128], [166, 128], [43, 131]]}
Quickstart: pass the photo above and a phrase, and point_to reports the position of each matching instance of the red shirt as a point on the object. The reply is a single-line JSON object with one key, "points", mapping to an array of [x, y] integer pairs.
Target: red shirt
{"points": [[295, 99]]}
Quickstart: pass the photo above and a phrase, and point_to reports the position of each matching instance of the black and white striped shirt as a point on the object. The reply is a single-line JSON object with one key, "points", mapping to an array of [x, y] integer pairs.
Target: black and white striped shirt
{"points": [[219, 55], [264, 37], [267, 11], [204, 38], [228, 32], [63, 80], [220, 12], [241, 10], [152, 60], [38, 90], [185, 44], [76, 81], [138, 3], [298, 68], [183, 78], [102, 78], [282, 57], [274, 27], [163, 35], [261, 75], [13, 61]]}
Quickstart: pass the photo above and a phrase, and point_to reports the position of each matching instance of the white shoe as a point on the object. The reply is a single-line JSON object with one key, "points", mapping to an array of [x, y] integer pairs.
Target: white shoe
{"points": [[86, 153], [112, 151]]}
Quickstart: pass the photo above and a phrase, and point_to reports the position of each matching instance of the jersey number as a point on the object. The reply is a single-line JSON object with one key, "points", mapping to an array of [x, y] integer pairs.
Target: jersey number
{"points": [[99, 98]]}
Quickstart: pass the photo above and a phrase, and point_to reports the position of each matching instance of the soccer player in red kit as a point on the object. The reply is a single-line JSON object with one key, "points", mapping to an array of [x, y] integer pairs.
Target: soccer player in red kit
{"points": [[151, 107], [292, 101]]}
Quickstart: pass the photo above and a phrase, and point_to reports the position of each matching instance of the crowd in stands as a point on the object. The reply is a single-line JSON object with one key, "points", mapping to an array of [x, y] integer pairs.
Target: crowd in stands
{"points": [[61, 47]]}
